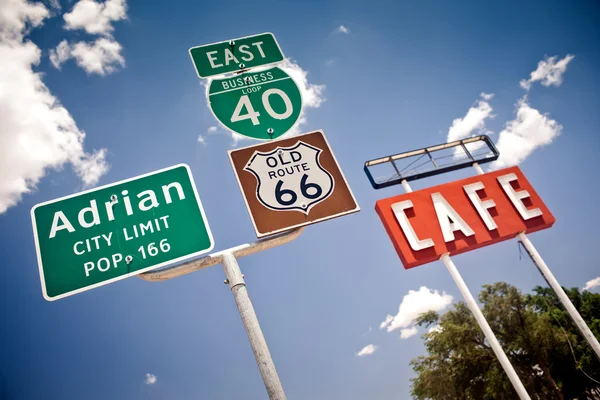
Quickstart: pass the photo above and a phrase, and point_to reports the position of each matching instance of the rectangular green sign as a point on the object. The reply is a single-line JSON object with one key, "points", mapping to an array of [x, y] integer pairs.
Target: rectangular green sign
{"points": [[102, 235], [233, 55]]}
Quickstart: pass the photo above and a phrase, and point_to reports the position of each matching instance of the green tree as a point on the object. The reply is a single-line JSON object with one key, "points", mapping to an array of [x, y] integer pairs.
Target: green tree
{"points": [[536, 335], [576, 370]]}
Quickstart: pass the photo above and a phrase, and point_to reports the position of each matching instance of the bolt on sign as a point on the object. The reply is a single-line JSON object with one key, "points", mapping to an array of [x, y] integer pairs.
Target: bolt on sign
{"points": [[235, 55], [262, 105], [289, 183], [109, 233], [463, 215]]}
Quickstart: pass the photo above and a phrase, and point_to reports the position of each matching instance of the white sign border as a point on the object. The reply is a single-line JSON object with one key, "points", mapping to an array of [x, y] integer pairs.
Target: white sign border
{"points": [[226, 41], [86, 288], [261, 235]]}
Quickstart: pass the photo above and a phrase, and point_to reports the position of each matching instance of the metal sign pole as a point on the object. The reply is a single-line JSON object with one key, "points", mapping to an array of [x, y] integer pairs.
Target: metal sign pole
{"points": [[564, 299], [235, 279], [485, 327], [479, 317], [553, 283], [255, 335]]}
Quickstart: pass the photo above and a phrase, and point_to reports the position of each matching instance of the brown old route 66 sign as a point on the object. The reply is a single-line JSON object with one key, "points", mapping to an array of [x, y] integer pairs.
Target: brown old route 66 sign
{"points": [[291, 182]]}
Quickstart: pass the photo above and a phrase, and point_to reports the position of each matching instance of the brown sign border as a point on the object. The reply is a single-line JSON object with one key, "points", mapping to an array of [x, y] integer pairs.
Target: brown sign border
{"points": [[299, 137]]}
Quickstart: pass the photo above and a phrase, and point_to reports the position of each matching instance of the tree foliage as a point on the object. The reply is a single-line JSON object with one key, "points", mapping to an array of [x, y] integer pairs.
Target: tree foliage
{"points": [[537, 335]]}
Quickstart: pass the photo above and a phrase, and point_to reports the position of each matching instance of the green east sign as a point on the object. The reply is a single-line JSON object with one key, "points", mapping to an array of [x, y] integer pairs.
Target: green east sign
{"points": [[261, 105], [99, 236], [235, 55]]}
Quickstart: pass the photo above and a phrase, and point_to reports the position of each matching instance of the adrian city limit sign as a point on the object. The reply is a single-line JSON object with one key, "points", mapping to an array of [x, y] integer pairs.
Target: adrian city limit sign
{"points": [[115, 231]]}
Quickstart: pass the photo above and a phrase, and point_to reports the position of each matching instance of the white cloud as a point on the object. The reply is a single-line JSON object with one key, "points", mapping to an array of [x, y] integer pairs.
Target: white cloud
{"points": [[521, 136], [17, 17], [103, 56], [408, 332], [312, 95], [473, 123], [150, 379], [592, 284], [61, 54], [549, 72], [388, 320], [94, 17], [237, 138], [436, 329], [474, 119], [414, 304], [367, 350], [343, 29], [91, 167], [202, 139], [55, 4], [212, 129], [329, 61], [37, 133]]}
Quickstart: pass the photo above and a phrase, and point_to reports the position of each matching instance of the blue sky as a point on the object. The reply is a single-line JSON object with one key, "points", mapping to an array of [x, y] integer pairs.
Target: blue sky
{"points": [[396, 80]]}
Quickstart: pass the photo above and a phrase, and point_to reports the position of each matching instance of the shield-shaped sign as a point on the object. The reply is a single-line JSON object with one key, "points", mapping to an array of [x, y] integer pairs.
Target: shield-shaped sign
{"points": [[290, 178], [290, 183]]}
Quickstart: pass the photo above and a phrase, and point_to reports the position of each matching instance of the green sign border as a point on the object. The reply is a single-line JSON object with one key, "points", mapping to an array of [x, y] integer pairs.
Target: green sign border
{"points": [[86, 288], [283, 58], [256, 70]]}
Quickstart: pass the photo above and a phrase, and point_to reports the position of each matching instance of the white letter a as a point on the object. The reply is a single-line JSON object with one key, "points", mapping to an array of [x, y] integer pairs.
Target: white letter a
{"points": [[445, 213], [59, 215]]}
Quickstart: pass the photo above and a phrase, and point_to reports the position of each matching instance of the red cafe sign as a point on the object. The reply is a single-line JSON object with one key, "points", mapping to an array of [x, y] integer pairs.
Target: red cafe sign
{"points": [[463, 215]]}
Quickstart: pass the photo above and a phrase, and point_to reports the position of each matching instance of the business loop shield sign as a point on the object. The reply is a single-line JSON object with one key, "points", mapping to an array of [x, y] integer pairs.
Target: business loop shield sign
{"points": [[291, 178], [260, 105]]}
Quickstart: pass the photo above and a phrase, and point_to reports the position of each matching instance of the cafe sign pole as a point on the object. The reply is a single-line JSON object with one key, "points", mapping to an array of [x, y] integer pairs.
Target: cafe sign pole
{"points": [[555, 285], [472, 305]]}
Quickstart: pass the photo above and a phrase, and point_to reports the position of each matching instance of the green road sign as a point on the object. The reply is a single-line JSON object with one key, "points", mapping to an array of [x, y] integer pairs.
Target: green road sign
{"points": [[236, 54], [261, 105], [115, 231]]}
